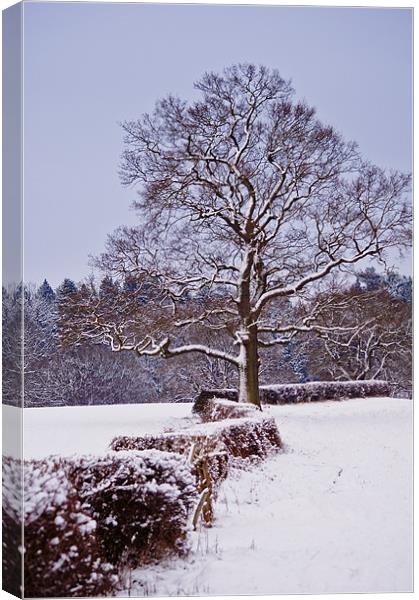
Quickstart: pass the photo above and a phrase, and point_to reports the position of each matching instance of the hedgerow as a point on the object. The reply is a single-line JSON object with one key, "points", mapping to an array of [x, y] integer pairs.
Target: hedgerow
{"points": [[89, 517], [12, 525], [315, 391], [62, 554], [141, 501]]}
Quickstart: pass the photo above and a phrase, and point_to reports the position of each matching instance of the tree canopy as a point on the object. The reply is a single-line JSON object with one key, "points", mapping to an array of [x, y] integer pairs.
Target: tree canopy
{"points": [[245, 196]]}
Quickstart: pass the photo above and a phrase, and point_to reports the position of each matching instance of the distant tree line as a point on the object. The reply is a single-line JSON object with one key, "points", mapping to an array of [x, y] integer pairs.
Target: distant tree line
{"points": [[372, 339]]}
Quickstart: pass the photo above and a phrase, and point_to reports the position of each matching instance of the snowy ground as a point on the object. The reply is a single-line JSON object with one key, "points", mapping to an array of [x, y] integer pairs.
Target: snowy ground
{"points": [[90, 429], [333, 513]]}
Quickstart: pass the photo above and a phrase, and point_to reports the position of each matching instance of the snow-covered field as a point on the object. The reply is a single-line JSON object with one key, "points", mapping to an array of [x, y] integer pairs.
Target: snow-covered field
{"points": [[332, 513], [90, 429]]}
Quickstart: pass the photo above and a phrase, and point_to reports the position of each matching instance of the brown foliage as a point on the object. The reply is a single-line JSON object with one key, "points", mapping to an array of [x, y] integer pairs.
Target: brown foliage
{"points": [[141, 502]]}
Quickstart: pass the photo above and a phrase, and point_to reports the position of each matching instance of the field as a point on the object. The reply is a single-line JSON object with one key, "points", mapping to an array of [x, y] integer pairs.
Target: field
{"points": [[332, 513]]}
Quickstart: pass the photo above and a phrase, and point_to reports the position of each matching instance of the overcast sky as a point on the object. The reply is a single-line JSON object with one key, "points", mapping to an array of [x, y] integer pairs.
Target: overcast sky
{"points": [[89, 66]]}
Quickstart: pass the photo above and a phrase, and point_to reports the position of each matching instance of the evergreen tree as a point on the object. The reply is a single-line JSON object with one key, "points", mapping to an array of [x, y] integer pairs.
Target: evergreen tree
{"points": [[399, 286], [294, 355], [139, 288], [46, 292], [130, 284], [108, 288], [66, 289], [369, 280], [66, 305]]}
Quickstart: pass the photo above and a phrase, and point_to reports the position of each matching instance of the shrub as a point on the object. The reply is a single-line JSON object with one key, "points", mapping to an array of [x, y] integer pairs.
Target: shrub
{"points": [[242, 437], [12, 526], [85, 516], [62, 555], [210, 447], [193, 443], [315, 391], [140, 500], [318, 391], [219, 409], [201, 401], [251, 438]]}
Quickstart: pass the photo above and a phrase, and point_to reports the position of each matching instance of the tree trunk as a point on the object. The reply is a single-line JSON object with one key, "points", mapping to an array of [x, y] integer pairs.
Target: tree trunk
{"points": [[249, 369]]}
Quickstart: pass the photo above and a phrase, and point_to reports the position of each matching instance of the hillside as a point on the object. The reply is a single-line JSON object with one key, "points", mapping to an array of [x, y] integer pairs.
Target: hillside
{"points": [[332, 513]]}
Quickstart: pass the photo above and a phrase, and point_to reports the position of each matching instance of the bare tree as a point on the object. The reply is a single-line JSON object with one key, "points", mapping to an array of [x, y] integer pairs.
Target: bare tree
{"points": [[247, 197], [365, 335]]}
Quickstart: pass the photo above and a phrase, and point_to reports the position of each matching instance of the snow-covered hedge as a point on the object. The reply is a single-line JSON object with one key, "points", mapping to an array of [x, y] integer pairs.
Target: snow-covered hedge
{"points": [[201, 401], [12, 529], [251, 438], [187, 442], [87, 516], [240, 437], [314, 391], [219, 409], [210, 447], [317, 391], [62, 554], [141, 501]]}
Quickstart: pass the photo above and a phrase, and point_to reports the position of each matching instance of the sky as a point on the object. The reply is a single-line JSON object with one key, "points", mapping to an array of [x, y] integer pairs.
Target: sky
{"points": [[87, 67]]}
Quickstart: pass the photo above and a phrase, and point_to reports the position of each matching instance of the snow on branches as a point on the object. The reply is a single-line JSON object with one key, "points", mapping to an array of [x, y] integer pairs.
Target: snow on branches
{"points": [[247, 198]]}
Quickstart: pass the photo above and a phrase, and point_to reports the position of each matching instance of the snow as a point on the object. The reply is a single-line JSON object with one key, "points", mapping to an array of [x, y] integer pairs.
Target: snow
{"points": [[332, 513], [90, 429]]}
